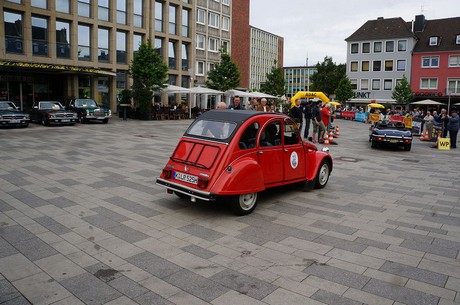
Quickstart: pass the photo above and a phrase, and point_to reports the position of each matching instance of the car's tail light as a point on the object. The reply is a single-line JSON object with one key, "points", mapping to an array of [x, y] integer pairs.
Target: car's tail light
{"points": [[380, 138], [167, 173], [203, 181]]}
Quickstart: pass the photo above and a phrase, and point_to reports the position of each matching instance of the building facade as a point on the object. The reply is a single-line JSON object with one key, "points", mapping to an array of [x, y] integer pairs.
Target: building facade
{"points": [[58, 49], [378, 56], [241, 39], [266, 51], [297, 79]]}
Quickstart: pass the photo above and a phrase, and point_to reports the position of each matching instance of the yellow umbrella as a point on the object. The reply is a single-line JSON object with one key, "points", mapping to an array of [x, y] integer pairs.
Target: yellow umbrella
{"points": [[375, 105], [335, 103]]}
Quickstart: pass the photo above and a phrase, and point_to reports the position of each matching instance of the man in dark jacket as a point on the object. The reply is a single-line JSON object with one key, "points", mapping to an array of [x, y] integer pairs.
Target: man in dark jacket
{"points": [[453, 126], [307, 115], [297, 115], [443, 118]]}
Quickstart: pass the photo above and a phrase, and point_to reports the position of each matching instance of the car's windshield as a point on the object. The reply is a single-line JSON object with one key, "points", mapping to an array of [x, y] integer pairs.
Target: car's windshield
{"points": [[50, 106], [7, 106], [212, 129], [85, 103]]}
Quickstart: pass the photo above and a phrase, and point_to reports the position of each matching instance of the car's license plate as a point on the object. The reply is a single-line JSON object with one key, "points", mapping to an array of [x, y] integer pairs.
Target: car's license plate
{"points": [[394, 141], [65, 121], [186, 178], [15, 121]]}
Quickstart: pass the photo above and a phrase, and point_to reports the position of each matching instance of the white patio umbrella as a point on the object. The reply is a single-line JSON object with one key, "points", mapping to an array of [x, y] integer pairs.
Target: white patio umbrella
{"points": [[204, 90], [175, 89], [427, 102], [234, 92], [262, 95]]}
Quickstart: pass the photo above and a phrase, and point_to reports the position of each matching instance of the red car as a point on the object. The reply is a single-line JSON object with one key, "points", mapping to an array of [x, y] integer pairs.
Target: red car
{"points": [[235, 154]]}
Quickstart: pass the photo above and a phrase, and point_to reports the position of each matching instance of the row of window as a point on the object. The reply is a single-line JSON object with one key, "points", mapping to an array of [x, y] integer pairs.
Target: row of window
{"points": [[200, 68], [434, 61], [213, 19], [388, 65], [213, 43], [425, 84], [378, 46]]}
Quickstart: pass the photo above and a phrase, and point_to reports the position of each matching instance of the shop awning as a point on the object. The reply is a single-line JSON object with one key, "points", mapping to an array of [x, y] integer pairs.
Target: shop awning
{"points": [[53, 67]]}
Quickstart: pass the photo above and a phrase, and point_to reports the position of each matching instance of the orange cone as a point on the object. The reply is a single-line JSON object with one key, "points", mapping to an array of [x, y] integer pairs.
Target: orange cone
{"points": [[427, 136], [435, 145], [326, 139], [331, 137], [337, 131], [422, 137]]}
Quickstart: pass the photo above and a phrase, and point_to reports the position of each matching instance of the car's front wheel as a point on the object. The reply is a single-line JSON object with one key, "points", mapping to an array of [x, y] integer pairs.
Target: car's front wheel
{"points": [[105, 121], [374, 143], [322, 177], [44, 122], [244, 204]]}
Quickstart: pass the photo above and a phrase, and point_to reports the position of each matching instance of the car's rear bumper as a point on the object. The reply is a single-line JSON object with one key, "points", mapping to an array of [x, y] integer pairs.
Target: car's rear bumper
{"points": [[176, 187], [19, 122], [62, 121], [391, 140]]}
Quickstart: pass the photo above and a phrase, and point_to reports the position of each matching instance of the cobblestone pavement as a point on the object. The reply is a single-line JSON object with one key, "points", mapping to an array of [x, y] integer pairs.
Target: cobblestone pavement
{"points": [[82, 222]]}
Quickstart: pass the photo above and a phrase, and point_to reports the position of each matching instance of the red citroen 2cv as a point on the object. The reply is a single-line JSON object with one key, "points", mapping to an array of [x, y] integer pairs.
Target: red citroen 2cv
{"points": [[235, 154]]}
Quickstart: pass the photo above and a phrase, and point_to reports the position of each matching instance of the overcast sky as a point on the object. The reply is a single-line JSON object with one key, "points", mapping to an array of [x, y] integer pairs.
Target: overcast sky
{"points": [[319, 28]]}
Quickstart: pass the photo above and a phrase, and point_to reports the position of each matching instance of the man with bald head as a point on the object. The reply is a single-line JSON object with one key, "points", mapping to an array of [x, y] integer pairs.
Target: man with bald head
{"points": [[221, 105]]}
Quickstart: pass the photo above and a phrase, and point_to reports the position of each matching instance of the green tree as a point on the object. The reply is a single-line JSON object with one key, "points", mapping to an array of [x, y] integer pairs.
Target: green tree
{"points": [[149, 74], [328, 76], [344, 92], [402, 92], [275, 82], [225, 75]]}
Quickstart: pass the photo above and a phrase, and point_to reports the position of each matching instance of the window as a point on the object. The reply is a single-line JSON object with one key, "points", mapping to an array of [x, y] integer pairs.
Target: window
{"points": [[185, 25], [84, 8], [13, 32], [225, 45], [354, 66], [454, 61], [200, 42], [402, 45], [39, 3], [103, 45], [364, 84], [63, 6], [377, 47], [172, 19], [199, 68], [365, 66], [159, 46], [121, 11], [387, 84], [376, 84], [39, 36], [15, 1], [401, 65], [388, 65], [137, 40], [137, 17], [159, 16], [354, 84], [184, 57], [389, 46], [366, 47], [376, 65], [433, 41], [453, 86], [354, 48], [172, 55], [213, 20], [226, 2], [121, 47], [225, 23], [457, 40], [213, 44], [430, 62], [212, 66], [429, 83], [103, 10], [62, 39], [398, 81], [84, 38], [200, 16]]}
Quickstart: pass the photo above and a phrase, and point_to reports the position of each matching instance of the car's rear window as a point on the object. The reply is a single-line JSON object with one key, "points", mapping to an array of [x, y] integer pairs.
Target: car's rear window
{"points": [[220, 130]]}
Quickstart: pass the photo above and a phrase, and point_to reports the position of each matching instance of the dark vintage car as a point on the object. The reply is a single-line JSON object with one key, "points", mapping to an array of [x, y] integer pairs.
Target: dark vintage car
{"points": [[52, 113], [89, 110], [10, 115], [390, 133], [232, 155]]}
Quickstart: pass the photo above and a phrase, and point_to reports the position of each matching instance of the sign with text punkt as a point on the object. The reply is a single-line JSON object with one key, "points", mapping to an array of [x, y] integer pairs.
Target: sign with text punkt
{"points": [[444, 143]]}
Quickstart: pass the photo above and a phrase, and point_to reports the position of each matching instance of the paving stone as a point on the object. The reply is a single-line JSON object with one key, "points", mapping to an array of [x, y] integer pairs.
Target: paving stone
{"points": [[333, 227], [260, 237], [407, 235], [103, 272], [127, 287], [52, 225], [40, 288], [7, 291], [90, 289], [133, 206], [5, 206], [28, 198], [400, 294], [199, 251], [373, 243], [127, 234], [15, 234], [337, 275], [6, 249], [61, 202], [415, 273], [430, 248], [332, 299], [202, 232], [154, 264], [150, 298], [35, 249], [100, 221], [340, 243], [283, 296]]}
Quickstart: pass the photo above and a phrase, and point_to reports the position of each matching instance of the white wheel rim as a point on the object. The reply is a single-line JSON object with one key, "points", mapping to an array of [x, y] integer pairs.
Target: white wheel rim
{"points": [[323, 174], [247, 201]]}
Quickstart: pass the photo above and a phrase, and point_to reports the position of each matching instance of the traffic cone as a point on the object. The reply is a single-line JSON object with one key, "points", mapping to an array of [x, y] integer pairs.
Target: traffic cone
{"points": [[435, 145], [427, 136], [331, 137], [337, 131], [326, 139], [422, 137]]}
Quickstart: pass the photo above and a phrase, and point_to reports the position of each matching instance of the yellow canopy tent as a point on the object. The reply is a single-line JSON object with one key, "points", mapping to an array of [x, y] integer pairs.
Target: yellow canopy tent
{"points": [[309, 94]]}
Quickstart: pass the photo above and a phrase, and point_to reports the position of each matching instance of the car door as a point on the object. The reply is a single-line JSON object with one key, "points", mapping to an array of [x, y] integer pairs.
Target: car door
{"points": [[270, 151], [293, 152]]}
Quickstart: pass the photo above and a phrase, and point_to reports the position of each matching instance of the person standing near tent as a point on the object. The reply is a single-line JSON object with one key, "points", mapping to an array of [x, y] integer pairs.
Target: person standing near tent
{"points": [[453, 126]]}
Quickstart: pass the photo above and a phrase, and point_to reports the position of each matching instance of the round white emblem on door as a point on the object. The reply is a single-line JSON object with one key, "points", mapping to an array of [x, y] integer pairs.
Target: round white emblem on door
{"points": [[294, 159]]}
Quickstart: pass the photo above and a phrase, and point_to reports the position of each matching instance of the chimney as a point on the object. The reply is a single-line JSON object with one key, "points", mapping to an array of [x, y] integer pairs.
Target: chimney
{"points": [[419, 23]]}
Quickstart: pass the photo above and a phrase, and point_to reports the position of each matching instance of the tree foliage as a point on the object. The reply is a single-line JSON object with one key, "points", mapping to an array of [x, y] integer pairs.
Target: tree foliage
{"points": [[402, 92], [328, 76], [344, 91], [149, 74], [275, 82], [225, 75]]}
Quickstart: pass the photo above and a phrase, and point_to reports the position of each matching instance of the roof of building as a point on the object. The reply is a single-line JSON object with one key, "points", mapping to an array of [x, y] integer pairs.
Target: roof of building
{"points": [[445, 29], [382, 28]]}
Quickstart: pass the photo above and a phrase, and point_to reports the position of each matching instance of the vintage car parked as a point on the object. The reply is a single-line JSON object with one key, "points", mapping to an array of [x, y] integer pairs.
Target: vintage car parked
{"points": [[390, 133], [89, 110], [235, 154], [52, 113], [10, 115]]}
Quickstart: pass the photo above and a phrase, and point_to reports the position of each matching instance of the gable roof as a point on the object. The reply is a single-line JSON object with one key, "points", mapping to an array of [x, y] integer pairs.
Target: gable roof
{"points": [[382, 29], [445, 29]]}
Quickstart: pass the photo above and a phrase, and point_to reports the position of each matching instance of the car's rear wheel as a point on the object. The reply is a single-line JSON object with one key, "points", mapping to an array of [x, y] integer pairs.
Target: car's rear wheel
{"points": [[105, 121], [407, 147], [44, 122], [81, 119], [322, 177], [374, 144], [244, 204]]}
